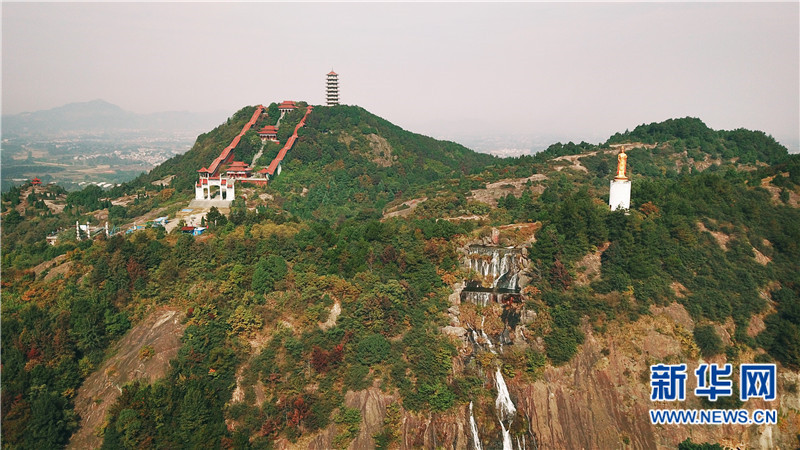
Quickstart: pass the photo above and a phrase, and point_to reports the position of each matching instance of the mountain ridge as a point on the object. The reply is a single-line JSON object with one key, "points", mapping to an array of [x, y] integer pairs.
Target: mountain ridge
{"points": [[102, 116], [309, 321]]}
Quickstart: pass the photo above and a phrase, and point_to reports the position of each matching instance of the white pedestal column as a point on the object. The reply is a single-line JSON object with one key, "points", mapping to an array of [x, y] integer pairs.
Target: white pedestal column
{"points": [[620, 195]]}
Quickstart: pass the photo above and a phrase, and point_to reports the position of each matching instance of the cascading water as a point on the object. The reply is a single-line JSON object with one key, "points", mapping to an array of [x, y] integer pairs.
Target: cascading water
{"points": [[488, 341], [474, 428], [505, 409], [486, 337], [497, 266], [498, 271], [475, 338]]}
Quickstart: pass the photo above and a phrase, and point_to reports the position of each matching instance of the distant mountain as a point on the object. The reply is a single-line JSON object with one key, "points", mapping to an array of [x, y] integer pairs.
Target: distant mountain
{"points": [[101, 116]]}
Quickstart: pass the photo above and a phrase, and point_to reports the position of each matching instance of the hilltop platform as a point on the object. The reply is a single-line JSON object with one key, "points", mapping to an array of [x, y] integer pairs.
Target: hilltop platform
{"points": [[197, 204]]}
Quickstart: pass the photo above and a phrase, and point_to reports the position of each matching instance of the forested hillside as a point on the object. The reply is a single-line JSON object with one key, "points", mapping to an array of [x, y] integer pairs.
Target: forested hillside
{"points": [[352, 162], [307, 295]]}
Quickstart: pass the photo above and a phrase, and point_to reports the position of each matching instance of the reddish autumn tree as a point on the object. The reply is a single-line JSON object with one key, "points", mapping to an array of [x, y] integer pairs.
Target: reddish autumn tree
{"points": [[559, 276]]}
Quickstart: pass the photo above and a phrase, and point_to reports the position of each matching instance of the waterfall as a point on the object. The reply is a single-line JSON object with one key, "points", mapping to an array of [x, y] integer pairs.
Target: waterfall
{"points": [[488, 341], [495, 272], [507, 443], [485, 336], [498, 267], [474, 428], [505, 409]]}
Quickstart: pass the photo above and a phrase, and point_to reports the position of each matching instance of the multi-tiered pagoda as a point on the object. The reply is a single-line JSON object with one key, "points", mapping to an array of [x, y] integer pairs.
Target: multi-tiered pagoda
{"points": [[332, 91]]}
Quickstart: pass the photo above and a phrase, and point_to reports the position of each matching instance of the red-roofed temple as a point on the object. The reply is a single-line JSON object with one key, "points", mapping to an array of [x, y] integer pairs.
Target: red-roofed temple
{"points": [[209, 177]]}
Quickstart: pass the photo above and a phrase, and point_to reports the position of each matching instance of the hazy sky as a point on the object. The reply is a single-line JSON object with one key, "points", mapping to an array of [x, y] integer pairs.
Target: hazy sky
{"points": [[577, 70]]}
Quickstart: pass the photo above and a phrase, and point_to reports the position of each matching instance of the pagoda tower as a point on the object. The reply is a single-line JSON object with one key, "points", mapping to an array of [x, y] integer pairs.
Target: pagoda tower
{"points": [[332, 91], [619, 196]]}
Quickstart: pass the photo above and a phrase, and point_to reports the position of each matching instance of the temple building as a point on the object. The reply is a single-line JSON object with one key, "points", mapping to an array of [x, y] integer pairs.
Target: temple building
{"points": [[619, 196], [332, 89], [268, 133], [287, 106], [238, 169]]}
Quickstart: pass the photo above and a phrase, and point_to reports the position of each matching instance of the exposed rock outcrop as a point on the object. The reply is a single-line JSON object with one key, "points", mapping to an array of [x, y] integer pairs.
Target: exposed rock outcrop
{"points": [[144, 353]]}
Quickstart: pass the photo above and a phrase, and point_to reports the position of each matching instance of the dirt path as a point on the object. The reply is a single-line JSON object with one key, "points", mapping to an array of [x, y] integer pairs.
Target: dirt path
{"points": [[55, 205], [574, 160], [161, 332], [775, 191], [516, 186], [398, 212]]}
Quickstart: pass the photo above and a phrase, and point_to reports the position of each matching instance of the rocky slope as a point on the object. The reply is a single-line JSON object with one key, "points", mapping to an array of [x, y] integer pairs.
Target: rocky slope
{"points": [[143, 354], [598, 400]]}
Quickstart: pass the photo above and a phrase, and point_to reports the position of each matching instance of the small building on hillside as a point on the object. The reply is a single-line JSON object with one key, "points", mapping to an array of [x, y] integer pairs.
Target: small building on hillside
{"points": [[36, 182], [196, 231], [268, 133], [238, 169], [287, 106]]}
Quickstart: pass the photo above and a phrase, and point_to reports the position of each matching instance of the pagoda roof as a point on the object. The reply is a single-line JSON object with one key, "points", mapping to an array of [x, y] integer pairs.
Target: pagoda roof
{"points": [[332, 72], [237, 164], [204, 170], [287, 104], [269, 129]]}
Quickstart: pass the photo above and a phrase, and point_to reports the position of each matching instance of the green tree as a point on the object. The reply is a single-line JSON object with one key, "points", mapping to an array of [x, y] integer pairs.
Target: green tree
{"points": [[49, 426], [707, 339], [373, 349], [194, 418], [268, 271]]}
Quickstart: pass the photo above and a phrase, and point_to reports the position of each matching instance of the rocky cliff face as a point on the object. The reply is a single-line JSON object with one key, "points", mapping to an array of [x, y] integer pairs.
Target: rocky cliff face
{"points": [[599, 400], [143, 354]]}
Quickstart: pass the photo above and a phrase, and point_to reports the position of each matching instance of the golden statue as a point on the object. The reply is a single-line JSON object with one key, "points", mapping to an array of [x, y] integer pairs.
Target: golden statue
{"points": [[621, 161]]}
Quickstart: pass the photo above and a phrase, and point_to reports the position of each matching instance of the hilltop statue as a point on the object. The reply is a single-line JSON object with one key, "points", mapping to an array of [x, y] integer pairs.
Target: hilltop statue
{"points": [[619, 196], [622, 160]]}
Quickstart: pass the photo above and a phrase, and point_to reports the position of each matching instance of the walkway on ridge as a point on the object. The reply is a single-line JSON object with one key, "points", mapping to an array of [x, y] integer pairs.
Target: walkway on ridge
{"points": [[289, 144], [227, 152]]}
